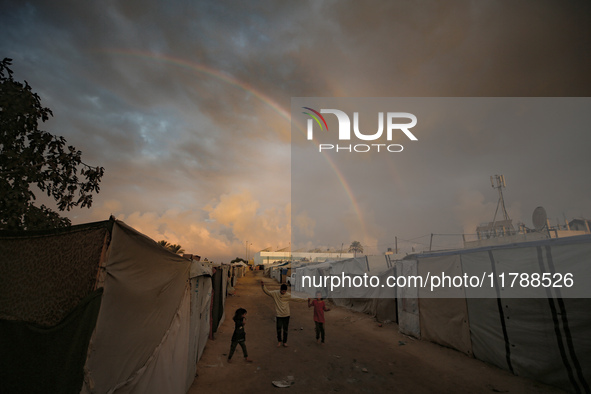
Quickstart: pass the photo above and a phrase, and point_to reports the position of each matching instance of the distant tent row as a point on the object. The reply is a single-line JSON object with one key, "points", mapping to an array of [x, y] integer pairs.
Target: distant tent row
{"points": [[276, 270], [101, 308], [378, 302], [547, 338], [545, 334]]}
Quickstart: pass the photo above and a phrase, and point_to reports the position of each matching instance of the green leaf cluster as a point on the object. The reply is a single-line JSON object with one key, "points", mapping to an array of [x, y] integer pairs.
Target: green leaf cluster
{"points": [[32, 159]]}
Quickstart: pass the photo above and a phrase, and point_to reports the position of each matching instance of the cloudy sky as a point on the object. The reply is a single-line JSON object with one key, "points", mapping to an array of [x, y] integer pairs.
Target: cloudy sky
{"points": [[187, 105]]}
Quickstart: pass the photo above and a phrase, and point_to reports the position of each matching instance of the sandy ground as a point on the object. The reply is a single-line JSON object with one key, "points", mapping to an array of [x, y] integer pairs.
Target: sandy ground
{"points": [[359, 355]]}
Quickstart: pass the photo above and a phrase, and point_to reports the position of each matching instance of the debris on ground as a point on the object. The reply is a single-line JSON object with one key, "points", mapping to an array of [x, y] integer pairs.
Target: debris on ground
{"points": [[287, 382]]}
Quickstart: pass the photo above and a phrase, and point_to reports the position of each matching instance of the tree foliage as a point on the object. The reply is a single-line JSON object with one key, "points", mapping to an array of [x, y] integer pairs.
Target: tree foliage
{"points": [[238, 260], [33, 159], [356, 247], [174, 248]]}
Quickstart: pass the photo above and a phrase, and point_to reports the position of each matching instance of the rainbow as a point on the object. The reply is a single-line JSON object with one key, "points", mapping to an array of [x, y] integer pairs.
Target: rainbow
{"points": [[315, 118], [200, 68]]}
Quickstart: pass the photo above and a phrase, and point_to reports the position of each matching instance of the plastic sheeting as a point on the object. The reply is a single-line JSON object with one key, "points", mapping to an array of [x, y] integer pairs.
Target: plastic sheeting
{"points": [[36, 359], [408, 301], [376, 301], [147, 335], [48, 306], [444, 320], [145, 287], [219, 293], [200, 315], [541, 335]]}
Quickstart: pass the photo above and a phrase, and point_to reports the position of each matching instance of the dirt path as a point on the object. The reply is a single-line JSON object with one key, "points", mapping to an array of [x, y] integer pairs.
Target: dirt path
{"points": [[359, 356]]}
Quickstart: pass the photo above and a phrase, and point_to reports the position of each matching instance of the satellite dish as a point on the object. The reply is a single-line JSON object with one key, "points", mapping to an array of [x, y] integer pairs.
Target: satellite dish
{"points": [[539, 218]]}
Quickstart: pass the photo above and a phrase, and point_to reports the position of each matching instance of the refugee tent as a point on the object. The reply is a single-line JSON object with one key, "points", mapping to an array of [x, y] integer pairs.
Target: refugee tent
{"points": [[239, 270], [274, 270], [536, 331], [362, 296], [98, 308], [344, 289], [201, 291], [48, 306], [219, 292], [313, 274]]}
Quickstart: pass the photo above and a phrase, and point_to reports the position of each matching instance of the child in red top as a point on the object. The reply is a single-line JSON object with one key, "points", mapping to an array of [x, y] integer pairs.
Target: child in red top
{"points": [[319, 309]]}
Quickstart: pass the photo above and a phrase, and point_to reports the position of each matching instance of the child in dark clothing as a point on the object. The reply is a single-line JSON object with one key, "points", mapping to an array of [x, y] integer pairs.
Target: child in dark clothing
{"points": [[319, 309], [239, 336]]}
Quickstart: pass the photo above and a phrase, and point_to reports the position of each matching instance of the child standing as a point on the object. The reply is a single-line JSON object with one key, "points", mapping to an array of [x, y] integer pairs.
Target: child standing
{"points": [[319, 309], [239, 336]]}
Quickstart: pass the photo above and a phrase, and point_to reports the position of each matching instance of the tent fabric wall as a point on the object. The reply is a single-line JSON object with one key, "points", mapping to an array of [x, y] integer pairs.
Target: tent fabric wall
{"points": [[204, 313], [35, 266], [384, 309], [200, 290], [37, 359], [275, 273], [377, 263], [45, 325], [547, 339], [529, 338], [220, 286], [239, 269], [408, 301], [216, 299], [445, 321], [142, 331], [354, 266], [376, 301], [443, 315], [144, 285], [163, 372], [543, 336]]}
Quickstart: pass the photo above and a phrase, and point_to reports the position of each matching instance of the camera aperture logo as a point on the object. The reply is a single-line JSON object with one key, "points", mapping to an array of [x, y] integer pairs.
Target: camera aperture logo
{"points": [[344, 132]]}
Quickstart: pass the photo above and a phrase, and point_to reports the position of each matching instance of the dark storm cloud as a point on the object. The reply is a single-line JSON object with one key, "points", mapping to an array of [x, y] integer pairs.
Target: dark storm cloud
{"points": [[466, 48], [181, 101]]}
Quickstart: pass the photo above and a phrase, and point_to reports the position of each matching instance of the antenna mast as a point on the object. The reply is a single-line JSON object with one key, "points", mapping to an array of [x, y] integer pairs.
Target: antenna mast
{"points": [[500, 184]]}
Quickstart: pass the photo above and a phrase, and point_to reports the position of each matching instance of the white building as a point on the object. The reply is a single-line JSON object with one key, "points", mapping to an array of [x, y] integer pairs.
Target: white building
{"points": [[272, 257]]}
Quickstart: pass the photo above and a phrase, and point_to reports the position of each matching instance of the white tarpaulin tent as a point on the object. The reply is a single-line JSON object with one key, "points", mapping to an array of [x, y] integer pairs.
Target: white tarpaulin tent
{"points": [[541, 334], [376, 301], [201, 289]]}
